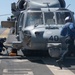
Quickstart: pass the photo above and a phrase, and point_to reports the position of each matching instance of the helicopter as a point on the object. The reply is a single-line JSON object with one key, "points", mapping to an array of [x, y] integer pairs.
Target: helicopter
{"points": [[38, 25]]}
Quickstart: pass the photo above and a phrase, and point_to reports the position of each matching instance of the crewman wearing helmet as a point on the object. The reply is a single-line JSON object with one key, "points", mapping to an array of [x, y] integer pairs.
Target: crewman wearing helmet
{"points": [[68, 31], [2, 47]]}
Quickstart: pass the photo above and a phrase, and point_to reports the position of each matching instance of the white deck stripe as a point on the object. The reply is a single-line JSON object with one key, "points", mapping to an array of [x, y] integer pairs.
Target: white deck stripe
{"points": [[17, 72], [57, 71], [17, 60]]}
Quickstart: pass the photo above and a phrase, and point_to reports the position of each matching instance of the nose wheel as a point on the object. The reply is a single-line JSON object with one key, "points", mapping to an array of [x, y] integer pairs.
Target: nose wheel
{"points": [[54, 53], [13, 52]]}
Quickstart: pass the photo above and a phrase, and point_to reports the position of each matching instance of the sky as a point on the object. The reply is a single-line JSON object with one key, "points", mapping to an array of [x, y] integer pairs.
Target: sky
{"points": [[5, 7]]}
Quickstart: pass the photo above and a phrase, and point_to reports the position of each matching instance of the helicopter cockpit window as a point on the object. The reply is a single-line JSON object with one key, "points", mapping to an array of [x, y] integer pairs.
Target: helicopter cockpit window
{"points": [[34, 18], [61, 17], [49, 18]]}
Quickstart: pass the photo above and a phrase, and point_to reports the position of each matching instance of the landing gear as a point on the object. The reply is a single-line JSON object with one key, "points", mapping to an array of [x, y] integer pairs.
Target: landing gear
{"points": [[54, 53], [13, 52], [16, 45]]}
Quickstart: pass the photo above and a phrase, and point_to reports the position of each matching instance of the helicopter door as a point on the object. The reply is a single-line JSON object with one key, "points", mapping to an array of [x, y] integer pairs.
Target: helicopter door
{"points": [[20, 26]]}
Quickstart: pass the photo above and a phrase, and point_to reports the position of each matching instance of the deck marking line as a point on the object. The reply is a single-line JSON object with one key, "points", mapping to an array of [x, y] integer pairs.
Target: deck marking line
{"points": [[5, 33], [57, 71], [17, 60], [17, 72]]}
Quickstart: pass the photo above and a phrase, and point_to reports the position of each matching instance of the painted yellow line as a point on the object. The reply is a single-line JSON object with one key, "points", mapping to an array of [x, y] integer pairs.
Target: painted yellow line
{"points": [[5, 33]]}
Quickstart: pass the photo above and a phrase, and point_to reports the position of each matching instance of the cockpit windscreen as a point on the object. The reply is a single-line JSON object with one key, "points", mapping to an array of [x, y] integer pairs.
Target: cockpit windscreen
{"points": [[46, 18], [49, 18], [34, 18], [61, 17]]}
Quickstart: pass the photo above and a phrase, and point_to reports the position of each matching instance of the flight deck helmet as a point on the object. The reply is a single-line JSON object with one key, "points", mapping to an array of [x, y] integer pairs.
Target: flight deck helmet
{"points": [[68, 19]]}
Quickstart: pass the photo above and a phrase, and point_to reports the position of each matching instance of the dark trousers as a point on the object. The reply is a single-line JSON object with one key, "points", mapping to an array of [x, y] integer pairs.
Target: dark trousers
{"points": [[70, 49], [1, 50]]}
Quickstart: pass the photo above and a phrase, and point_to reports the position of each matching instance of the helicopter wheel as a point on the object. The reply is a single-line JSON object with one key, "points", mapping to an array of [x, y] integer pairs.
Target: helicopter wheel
{"points": [[54, 53]]}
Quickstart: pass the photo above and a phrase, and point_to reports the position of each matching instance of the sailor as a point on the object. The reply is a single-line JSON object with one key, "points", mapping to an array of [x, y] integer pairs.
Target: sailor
{"points": [[2, 47], [68, 31]]}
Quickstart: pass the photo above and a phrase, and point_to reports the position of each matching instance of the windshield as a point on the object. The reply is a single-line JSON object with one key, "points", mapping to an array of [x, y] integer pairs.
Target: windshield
{"points": [[34, 18], [49, 18], [61, 17]]}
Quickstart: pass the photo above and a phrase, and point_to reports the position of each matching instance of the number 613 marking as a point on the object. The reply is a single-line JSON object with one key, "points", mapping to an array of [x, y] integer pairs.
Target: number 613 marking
{"points": [[54, 38]]}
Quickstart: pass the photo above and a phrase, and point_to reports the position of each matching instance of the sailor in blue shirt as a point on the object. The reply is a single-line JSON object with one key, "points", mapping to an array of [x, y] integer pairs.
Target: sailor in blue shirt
{"points": [[2, 47], [68, 31]]}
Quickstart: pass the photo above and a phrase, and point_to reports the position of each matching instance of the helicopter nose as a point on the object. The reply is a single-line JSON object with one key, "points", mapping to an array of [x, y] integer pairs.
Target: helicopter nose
{"points": [[27, 33]]}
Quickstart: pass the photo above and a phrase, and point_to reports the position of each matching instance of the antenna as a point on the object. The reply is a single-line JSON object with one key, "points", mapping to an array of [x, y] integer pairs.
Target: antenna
{"points": [[68, 5]]}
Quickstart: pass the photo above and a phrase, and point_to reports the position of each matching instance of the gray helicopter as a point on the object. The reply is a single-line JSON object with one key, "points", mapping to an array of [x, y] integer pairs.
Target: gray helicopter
{"points": [[39, 23]]}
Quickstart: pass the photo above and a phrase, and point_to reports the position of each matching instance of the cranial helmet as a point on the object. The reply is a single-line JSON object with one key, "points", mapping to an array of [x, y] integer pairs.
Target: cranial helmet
{"points": [[68, 19]]}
